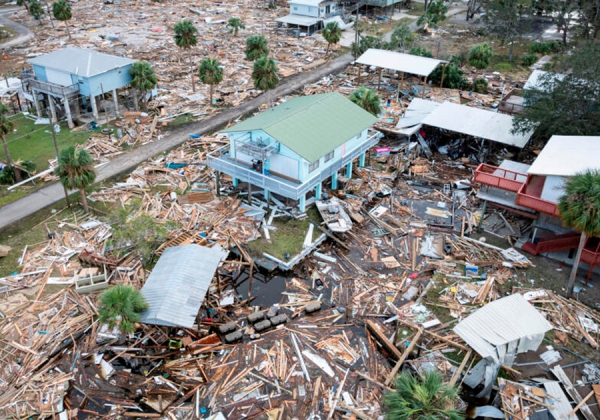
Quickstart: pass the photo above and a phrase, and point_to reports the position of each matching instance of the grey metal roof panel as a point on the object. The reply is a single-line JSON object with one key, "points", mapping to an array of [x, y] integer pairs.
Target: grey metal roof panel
{"points": [[407, 63], [178, 284], [567, 156], [476, 122], [560, 405], [500, 322], [80, 61]]}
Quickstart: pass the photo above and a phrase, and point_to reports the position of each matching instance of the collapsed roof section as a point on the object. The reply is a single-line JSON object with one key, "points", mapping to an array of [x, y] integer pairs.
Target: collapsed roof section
{"points": [[178, 284], [498, 332]]}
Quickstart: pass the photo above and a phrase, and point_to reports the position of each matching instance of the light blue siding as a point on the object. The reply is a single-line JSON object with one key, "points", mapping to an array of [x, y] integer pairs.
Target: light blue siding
{"points": [[40, 73], [108, 81], [303, 165], [304, 10]]}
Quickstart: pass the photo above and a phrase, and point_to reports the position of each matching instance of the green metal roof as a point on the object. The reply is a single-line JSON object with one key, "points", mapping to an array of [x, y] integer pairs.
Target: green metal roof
{"points": [[311, 126]]}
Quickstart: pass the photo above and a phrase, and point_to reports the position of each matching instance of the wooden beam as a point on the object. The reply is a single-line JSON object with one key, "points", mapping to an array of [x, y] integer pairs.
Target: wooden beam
{"points": [[572, 391], [578, 406], [383, 339], [460, 368], [412, 344]]}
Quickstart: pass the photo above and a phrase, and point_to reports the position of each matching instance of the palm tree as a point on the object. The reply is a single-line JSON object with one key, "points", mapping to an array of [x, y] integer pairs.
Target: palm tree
{"points": [[332, 33], [211, 73], [579, 209], [36, 10], [76, 170], [402, 37], [367, 99], [61, 10], [235, 24], [422, 398], [143, 79], [256, 47], [186, 37], [265, 75], [6, 126], [23, 3], [121, 305]]}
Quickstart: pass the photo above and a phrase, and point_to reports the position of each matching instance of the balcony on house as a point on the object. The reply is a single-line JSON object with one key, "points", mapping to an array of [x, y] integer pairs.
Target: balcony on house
{"points": [[257, 149], [222, 161], [48, 87], [530, 196], [499, 177]]}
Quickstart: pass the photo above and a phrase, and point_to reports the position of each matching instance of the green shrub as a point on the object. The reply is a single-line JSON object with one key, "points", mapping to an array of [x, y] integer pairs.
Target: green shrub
{"points": [[420, 51], [121, 305], [480, 85], [453, 76], [529, 59], [7, 175], [545, 48], [503, 66], [539, 48]]}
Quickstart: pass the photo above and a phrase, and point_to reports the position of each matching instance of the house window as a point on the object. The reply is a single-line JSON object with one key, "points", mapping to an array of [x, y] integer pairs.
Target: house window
{"points": [[295, 8], [313, 166], [328, 156]]}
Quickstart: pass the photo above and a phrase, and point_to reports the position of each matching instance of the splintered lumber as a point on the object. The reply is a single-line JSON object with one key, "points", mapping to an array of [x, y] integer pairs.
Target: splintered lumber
{"points": [[4, 250], [572, 391], [380, 336], [396, 368], [460, 368], [196, 197], [330, 235], [564, 309], [578, 406]]}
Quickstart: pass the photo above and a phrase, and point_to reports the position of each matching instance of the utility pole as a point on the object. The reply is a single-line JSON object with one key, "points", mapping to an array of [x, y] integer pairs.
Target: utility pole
{"points": [[56, 150]]}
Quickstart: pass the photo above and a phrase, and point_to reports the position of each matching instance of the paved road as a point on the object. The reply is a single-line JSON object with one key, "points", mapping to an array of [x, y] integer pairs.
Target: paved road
{"points": [[23, 33], [52, 194]]}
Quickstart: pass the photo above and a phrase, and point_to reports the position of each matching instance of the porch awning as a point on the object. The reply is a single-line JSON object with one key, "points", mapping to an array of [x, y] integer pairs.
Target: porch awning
{"points": [[299, 20]]}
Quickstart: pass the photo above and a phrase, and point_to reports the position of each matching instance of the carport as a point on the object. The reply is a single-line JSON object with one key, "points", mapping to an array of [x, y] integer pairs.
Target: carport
{"points": [[400, 62], [475, 122]]}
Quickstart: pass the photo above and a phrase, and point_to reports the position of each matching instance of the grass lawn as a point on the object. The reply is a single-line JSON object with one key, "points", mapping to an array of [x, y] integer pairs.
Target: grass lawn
{"points": [[29, 141], [30, 231], [288, 237]]}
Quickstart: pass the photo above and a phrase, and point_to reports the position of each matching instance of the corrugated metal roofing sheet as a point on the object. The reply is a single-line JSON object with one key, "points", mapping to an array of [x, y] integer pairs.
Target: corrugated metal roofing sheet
{"points": [[80, 61], [311, 126], [178, 284], [477, 123], [510, 319], [299, 20], [567, 155], [561, 407], [416, 111], [536, 78], [406, 63]]}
